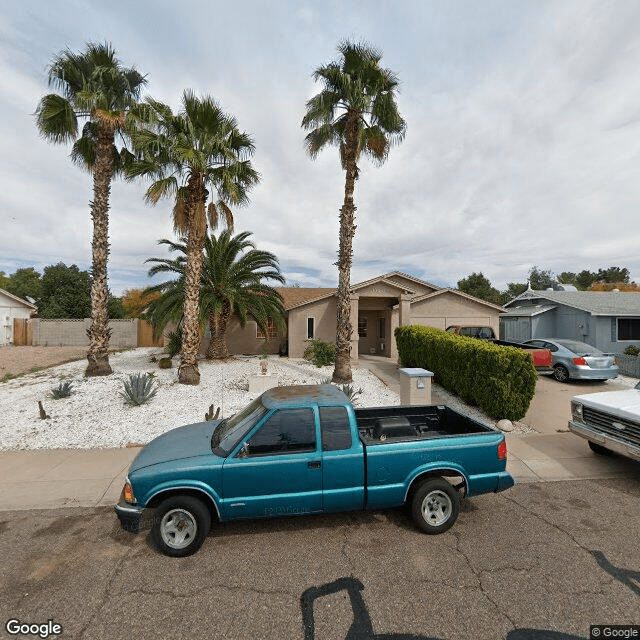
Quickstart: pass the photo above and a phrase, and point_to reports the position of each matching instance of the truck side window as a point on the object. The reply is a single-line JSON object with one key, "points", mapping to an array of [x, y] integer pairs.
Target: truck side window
{"points": [[336, 432], [286, 431]]}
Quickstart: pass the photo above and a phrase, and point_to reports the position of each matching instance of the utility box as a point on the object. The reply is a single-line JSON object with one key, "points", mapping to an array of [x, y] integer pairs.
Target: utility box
{"points": [[415, 386]]}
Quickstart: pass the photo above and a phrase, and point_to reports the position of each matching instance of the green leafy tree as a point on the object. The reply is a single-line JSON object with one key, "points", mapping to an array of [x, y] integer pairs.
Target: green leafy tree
{"points": [[356, 111], [568, 277], [93, 86], [478, 285], [540, 280], [116, 308], [513, 290], [24, 283], [236, 278], [189, 156], [585, 279], [65, 292], [5, 281], [613, 274]]}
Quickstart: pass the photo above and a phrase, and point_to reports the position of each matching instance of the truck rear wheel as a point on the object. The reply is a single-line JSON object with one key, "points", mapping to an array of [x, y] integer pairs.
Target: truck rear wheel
{"points": [[435, 506], [180, 525]]}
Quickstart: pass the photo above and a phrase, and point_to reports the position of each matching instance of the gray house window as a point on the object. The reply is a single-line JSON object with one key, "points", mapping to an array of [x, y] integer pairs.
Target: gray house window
{"points": [[311, 328], [628, 328]]}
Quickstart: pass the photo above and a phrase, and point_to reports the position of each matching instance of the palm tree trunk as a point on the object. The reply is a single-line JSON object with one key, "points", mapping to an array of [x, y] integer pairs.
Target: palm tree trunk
{"points": [[218, 323], [342, 371], [188, 372], [99, 331]]}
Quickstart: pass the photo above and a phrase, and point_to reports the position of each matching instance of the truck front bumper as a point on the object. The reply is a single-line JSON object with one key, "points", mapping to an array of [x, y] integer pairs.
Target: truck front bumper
{"points": [[604, 440], [130, 516]]}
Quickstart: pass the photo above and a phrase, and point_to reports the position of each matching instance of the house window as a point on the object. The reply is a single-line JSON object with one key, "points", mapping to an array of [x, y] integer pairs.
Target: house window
{"points": [[311, 328], [362, 326], [271, 330], [628, 328], [382, 328]]}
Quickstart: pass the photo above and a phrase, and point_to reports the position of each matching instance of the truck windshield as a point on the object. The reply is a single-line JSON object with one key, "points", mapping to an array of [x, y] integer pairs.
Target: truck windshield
{"points": [[231, 430]]}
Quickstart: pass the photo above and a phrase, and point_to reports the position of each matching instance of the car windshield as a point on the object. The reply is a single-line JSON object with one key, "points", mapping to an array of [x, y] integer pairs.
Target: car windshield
{"points": [[231, 430], [581, 348]]}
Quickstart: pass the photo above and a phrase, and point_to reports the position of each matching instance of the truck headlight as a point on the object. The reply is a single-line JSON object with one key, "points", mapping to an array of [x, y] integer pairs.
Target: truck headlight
{"points": [[576, 411], [127, 492]]}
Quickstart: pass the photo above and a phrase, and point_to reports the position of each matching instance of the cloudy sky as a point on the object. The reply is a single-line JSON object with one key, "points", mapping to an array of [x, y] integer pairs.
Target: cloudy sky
{"points": [[522, 146]]}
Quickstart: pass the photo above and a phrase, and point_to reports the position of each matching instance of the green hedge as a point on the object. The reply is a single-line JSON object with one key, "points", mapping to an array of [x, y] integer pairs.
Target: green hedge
{"points": [[500, 380]]}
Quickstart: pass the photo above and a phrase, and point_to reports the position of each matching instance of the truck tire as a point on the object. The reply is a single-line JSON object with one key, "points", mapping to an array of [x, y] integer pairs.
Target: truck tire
{"points": [[560, 373], [180, 525], [435, 506], [599, 449]]}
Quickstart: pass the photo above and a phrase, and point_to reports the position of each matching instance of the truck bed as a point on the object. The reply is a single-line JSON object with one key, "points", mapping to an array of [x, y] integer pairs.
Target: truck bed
{"points": [[378, 425]]}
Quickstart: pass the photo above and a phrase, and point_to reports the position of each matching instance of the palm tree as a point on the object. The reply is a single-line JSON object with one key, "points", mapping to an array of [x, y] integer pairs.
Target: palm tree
{"points": [[188, 155], [357, 112], [235, 279], [93, 86]]}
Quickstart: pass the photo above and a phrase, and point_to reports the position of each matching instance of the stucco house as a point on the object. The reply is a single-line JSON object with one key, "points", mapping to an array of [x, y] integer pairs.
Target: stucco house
{"points": [[12, 308], [607, 320], [378, 306]]}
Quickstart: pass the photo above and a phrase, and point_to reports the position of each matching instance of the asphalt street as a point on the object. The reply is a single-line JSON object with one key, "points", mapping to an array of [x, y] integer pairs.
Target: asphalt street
{"points": [[542, 561]]}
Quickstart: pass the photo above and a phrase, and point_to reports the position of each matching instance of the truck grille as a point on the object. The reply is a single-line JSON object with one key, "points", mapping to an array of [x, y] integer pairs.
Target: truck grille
{"points": [[630, 431]]}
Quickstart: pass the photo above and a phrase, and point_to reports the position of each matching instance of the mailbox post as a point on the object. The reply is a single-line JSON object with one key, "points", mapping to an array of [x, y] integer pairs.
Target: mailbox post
{"points": [[415, 386]]}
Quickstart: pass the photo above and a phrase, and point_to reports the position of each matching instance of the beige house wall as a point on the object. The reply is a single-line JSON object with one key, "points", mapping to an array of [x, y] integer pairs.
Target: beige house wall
{"points": [[447, 309], [244, 340], [324, 314]]}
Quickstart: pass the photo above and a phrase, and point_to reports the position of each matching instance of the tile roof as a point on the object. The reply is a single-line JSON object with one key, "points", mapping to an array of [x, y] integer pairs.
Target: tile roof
{"points": [[295, 296]]}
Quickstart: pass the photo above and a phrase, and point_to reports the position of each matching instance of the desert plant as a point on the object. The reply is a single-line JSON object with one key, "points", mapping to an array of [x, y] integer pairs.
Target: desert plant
{"points": [[165, 363], [320, 353], [138, 389], [63, 390], [632, 350], [351, 392], [211, 414], [175, 343]]}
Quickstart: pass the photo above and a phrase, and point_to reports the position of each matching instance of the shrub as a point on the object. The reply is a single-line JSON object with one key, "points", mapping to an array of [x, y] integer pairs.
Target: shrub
{"points": [[320, 353], [165, 363], [175, 343], [500, 380], [63, 390], [138, 389], [632, 350]]}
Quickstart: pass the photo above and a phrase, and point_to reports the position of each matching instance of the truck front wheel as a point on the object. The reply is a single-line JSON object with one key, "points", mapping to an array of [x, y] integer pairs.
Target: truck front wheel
{"points": [[435, 506], [180, 525], [599, 449]]}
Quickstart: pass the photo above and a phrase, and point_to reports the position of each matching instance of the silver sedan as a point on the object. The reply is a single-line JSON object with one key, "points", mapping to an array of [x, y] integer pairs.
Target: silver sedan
{"points": [[577, 360]]}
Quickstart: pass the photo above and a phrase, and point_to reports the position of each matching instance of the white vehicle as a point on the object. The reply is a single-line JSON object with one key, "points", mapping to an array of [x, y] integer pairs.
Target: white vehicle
{"points": [[610, 421]]}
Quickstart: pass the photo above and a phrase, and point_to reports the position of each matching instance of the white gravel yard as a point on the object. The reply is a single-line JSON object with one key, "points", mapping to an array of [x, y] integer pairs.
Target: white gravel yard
{"points": [[95, 415]]}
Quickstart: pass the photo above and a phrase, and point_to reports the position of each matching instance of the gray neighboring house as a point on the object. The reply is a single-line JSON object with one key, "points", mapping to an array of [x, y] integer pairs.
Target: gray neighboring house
{"points": [[608, 320], [12, 308]]}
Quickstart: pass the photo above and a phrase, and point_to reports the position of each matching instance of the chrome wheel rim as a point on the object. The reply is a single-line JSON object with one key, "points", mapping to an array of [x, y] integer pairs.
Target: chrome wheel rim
{"points": [[178, 528], [437, 508]]}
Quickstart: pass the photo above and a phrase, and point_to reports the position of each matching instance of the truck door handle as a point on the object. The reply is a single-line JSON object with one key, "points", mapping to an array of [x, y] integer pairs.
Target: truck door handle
{"points": [[314, 464]]}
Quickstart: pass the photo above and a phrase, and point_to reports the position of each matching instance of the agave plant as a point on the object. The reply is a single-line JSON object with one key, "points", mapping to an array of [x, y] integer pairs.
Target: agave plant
{"points": [[138, 389], [63, 390]]}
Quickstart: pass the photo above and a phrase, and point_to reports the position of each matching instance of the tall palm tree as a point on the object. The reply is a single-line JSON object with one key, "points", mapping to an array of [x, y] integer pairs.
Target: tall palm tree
{"points": [[235, 279], [93, 86], [188, 155], [357, 112]]}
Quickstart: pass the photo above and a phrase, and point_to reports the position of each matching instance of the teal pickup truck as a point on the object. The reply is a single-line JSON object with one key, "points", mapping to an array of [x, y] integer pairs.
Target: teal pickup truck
{"points": [[303, 450]]}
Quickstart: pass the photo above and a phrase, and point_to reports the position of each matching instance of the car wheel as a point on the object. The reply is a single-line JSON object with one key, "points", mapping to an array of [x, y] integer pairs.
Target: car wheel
{"points": [[180, 525], [560, 373], [435, 506], [599, 449]]}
